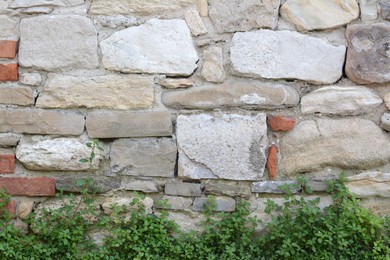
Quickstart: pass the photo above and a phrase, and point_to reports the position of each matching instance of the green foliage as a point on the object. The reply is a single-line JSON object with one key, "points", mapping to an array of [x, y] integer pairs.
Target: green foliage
{"points": [[92, 145]]}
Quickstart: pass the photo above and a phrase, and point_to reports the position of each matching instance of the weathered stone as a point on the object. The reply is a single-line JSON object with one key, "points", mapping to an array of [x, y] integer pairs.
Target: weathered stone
{"points": [[117, 21], [227, 188], [110, 124], [318, 183], [212, 69], [313, 145], [272, 161], [370, 184], [25, 209], [9, 139], [274, 186], [32, 3], [99, 184], [37, 121], [125, 203], [176, 83], [51, 42], [195, 23], [269, 54], [144, 157], [158, 46], [222, 204], [368, 56], [225, 146], [234, 93], [22, 96], [385, 121], [9, 26], [378, 206], [136, 7], [243, 15], [59, 154], [320, 14], [368, 10], [106, 91], [385, 9], [32, 79], [37, 10], [336, 100], [183, 189], [174, 203], [147, 186], [203, 7], [386, 98], [281, 123]]}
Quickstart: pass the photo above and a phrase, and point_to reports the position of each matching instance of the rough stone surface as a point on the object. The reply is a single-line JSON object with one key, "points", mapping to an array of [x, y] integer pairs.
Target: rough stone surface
{"points": [[144, 157], [32, 3], [385, 9], [109, 203], [37, 10], [273, 186], [368, 10], [385, 121], [32, 79], [272, 161], [370, 184], [321, 14], [227, 188], [225, 146], [106, 91], [351, 100], [175, 203], [212, 69], [158, 46], [22, 96], [9, 139], [176, 83], [223, 204], [136, 7], [109, 124], [379, 206], [195, 23], [243, 15], [203, 7], [319, 183], [183, 189], [59, 154], [37, 121], [313, 145], [147, 186], [281, 123], [32, 187], [270, 54], [9, 26], [52, 42], [368, 56], [25, 209], [233, 93], [99, 183], [185, 221]]}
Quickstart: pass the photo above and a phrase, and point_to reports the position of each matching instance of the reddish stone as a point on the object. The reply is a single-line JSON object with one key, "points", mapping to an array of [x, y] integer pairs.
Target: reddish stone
{"points": [[281, 123], [23, 186], [10, 207], [272, 161], [9, 72], [8, 49], [7, 163]]}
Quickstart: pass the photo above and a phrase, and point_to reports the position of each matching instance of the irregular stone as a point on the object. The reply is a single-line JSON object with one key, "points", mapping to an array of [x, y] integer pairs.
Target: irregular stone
{"points": [[272, 161], [9, 26], [385, 9], [370, 184], [243, 15], [319, 15], [32, 79], [175, 203], [203, 8], [269, 54], [9, 139], [334, 100], [318, 183], [274, 186], [183, 189], [212, 69], [222, 204], [136, 7], [99, 184], [125, 203], [368, 10], [144, 157], [22, 96], [241, 141], [59, 154], [281, 123], [37, 10], [147, 186], [313, 145], [31, 3], [117, 21], [25, 209], [368, 56], [176, 83], [37, 121], [385, 121], [110, 124], [106, 91], [227, 188], [72, 38], [233, 93], [21, 227], [195, 23], [378, 206], [158, 46]]}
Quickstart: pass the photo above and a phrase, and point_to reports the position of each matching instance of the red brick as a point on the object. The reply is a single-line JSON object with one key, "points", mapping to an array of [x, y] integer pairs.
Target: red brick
{"points": [[272, 161], [7, 163], [281, 123], [8, 49], [10, 207], [23, 186], [9, 72]]}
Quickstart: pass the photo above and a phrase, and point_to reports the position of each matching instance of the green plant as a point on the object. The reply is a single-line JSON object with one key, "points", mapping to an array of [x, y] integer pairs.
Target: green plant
{"points": [[92, 145]]}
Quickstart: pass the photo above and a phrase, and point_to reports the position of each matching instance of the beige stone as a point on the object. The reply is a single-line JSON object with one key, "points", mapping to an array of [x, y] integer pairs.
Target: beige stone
{"points": [[386, 98], [32, 3], [22, 96], [25, 209], [203, 8], [176, 83], [212, 69], [175, 202], [9, 139], [370, 184], [9, 26], [378, 206], [33, 79], [195, 23], [109, 203], [368, 10]]}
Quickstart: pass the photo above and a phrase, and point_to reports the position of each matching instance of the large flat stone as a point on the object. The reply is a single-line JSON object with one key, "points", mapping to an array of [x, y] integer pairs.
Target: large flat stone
{"points": [[334, 100], [227, 188], [286, 55], [243, 15], [33, 3], [344, 143], [274, 186], [51, 42], [38, 121], [242, 93], [147, 186], [320, 14], [100, 184], [368, 56], [222, 204], [110, 124], [183, 189], [370, 184], [106, 91], [174, 203], [158, 46], [59, 154], [225, 146], [144, 157], [22, 96]]}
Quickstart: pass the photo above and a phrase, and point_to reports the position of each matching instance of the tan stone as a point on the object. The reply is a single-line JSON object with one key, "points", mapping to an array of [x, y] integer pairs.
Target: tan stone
{"points": [[370, 184], [203, 8], [9, 26], [22, 96], [378, 206], [386, 98], [25, 209], [212, 69], [176, 83], [195, 23]]}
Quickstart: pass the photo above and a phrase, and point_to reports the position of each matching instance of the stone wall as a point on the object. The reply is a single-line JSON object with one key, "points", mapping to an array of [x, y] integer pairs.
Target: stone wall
{"points": [[192, 98]]}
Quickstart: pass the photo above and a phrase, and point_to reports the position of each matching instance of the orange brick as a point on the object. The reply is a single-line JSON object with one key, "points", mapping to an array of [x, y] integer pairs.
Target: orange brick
{"points": [[32, 187], [8, 49], [9, 72], [7, 163], [281, 123], [272, 161]]}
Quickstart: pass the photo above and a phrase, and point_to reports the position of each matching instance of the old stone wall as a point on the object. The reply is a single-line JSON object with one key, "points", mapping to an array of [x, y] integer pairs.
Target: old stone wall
{"points": [[192, 98]]}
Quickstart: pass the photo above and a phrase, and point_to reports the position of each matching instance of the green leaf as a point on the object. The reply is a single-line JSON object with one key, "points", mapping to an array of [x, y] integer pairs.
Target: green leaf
{"points": [[83, 160]]}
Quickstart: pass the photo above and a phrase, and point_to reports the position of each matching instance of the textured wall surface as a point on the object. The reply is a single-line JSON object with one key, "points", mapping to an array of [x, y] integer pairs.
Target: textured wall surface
{"points": [[192, 98]]}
